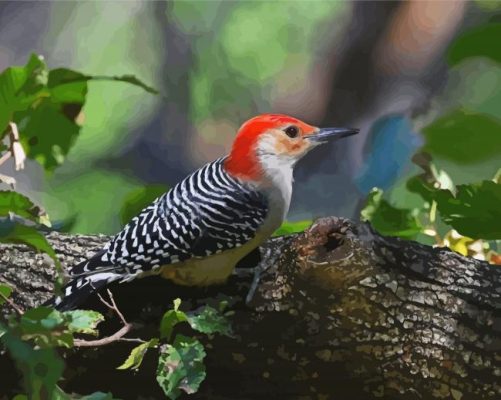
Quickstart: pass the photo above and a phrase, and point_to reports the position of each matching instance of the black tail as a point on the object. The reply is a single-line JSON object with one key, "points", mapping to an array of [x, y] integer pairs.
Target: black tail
{"points": [[75, 293], [87, 278]]}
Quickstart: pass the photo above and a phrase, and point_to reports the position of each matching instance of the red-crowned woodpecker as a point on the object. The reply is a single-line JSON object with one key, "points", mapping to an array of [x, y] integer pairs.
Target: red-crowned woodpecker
{"points": [[196, 232]]}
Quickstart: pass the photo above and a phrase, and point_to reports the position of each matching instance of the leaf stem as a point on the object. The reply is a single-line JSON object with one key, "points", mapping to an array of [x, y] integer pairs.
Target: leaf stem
{"points": [[18, 309]]}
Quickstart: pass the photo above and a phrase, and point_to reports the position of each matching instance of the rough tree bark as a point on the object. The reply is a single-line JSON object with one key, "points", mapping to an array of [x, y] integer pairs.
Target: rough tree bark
{"points": [[342, 312]]}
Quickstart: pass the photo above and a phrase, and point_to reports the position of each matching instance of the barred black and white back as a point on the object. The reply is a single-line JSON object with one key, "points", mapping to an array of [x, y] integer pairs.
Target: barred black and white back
{"points": [[207, 213]]}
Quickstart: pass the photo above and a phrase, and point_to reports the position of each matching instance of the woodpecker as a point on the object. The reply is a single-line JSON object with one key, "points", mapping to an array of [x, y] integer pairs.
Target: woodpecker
{"points": [[196, 233]]}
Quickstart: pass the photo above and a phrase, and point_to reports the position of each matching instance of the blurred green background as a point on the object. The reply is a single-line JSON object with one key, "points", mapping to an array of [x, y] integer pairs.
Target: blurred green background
{"points": [[389, 68]]}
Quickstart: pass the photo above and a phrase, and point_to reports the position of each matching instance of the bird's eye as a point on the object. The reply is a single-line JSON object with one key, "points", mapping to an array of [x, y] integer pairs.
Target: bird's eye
{"points": [[291, 131]]}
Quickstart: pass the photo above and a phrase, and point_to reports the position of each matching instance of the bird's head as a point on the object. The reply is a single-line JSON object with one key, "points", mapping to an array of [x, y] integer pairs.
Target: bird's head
{"points": [[272, 141]]}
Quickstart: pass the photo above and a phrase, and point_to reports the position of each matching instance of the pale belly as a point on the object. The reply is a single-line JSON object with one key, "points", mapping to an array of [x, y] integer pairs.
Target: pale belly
{"points": [[210, 270]]}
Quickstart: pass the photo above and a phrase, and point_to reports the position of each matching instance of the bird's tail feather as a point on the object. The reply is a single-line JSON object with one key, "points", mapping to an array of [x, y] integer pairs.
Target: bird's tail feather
{"points": [[87, 278], [76, 292]]}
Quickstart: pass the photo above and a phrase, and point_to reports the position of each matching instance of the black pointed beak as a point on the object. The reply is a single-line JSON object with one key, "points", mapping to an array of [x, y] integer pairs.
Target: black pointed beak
{"points": [[332, 134]]}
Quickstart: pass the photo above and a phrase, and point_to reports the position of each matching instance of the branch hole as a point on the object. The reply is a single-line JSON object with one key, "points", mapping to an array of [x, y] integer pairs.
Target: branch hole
{"points": [[333, 242]]}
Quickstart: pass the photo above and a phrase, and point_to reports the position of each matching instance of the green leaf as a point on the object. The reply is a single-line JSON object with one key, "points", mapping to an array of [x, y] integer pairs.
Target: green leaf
{"points": [[136, 200], [46, 326], [12, 232], [44, 105], [181, 367], [40, 315], [5, 291], [389, 220], [99, 396], [433, 178], [136, 355], [481, 41], [60, 394], [20, 87], [20, 205], [288, 228], [209, 320], [83, 321], [48, 132], [67, 86], [417, 184], [37, 76], [47, 107], [170, 319], [41, 368], [464, 137], [474, 211]]}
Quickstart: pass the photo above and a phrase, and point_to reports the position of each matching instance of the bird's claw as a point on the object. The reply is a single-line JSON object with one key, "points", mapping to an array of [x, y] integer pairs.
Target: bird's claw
{"points": [[256, 272]]}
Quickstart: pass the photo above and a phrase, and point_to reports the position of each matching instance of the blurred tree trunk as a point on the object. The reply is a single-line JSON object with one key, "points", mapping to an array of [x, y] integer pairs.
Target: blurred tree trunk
{"points": [[341, 313], [389, 60], [165, 139]]}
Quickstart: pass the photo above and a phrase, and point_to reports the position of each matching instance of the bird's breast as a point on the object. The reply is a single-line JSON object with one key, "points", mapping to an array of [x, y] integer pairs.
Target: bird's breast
{"points": [[211, 270]]}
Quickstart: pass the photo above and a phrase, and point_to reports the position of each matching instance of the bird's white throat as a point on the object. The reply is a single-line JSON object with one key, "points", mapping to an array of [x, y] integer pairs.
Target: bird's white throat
{"points": [[277, 183]]}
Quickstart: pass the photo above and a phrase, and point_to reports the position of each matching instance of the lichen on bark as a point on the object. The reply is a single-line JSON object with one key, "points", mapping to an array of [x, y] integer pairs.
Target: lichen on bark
{"points": [[341, 312]]}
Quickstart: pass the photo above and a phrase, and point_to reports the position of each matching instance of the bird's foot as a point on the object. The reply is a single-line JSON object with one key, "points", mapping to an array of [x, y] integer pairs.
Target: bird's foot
{"points": [[256, 273]]}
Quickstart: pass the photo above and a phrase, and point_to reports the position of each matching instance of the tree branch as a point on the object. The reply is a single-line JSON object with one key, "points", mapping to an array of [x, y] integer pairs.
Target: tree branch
{"points": [[104, 341], [118, 336], [16, 151], [340, 312]]}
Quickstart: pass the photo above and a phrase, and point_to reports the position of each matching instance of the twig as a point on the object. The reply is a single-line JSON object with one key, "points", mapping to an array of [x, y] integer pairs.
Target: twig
{"points": [[16, 151], [16, 148], [135, 340], [112, 306], [5, 157], [104, 301], [18, 309], [115, 307], [117, 336]]}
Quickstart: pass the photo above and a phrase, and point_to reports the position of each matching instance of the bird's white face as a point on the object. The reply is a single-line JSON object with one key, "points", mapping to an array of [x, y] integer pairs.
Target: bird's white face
{"points": [[280, 149], [287, 145]]}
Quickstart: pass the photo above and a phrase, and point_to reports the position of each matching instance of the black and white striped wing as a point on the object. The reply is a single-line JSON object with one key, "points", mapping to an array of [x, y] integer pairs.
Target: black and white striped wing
{"points": [[207, 213]]}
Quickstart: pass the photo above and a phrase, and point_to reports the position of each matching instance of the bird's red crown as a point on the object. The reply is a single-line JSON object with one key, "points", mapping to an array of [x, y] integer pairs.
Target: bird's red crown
{"points": [[242, 161]]}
